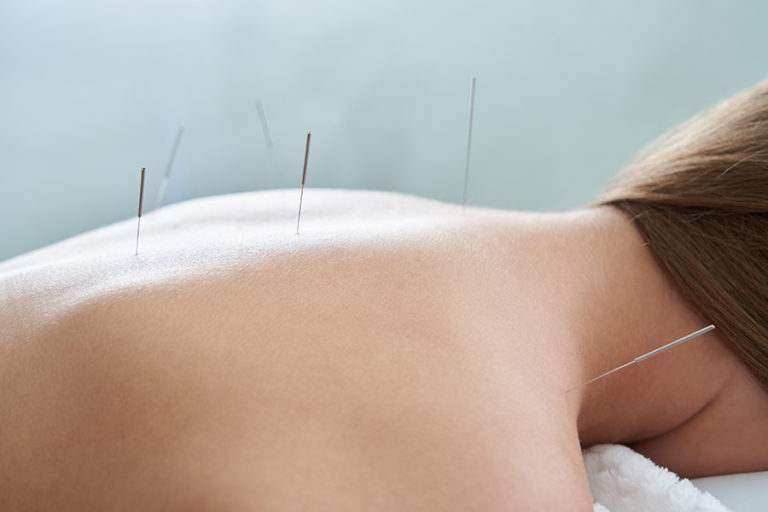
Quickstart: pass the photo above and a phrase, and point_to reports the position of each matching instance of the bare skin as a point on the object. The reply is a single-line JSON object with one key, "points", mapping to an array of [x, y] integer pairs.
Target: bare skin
{"points": [[396, 355]]}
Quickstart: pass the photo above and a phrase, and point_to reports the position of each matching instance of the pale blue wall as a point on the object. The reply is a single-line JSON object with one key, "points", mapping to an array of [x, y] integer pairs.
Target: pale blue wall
{"points": [[90, 91]]}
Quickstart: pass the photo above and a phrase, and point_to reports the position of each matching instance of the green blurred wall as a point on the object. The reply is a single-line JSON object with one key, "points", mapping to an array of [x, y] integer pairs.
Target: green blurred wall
{"points": [[567, 92]]}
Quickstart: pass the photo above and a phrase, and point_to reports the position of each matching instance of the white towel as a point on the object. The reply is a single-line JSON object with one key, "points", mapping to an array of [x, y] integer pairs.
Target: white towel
{"points": [[622, 480]]}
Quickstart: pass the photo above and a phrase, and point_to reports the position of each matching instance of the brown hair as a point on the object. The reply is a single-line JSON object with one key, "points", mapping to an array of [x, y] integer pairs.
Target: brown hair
{"points": [[699, 196]]}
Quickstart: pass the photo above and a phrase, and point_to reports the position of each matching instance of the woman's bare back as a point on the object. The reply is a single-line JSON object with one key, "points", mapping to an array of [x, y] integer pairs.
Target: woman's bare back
{"points": [[235, 365]]}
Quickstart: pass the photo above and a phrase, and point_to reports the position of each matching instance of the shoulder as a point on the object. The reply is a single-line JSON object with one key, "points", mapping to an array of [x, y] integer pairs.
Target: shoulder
{"points": [[724, 437]]}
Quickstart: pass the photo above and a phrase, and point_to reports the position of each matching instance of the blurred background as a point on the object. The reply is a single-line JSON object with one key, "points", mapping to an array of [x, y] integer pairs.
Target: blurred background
{"points": [[567, 92]]}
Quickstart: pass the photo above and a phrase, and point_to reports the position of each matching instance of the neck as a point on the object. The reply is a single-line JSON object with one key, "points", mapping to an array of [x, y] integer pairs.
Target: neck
{"points": [[619, 303]]}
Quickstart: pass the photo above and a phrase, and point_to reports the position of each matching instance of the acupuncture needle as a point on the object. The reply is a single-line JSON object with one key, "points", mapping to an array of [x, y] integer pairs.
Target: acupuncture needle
{"points": [[141, 200], [303, 180], [264, 124], [168, 167], [648, 355], [469, 140]]}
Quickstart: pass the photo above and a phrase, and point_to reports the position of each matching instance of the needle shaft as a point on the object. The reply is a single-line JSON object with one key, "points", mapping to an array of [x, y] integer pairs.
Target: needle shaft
{"points": [[264, 124], [648, 355], [469, 140], [168, 167], [141, 201], [303, 180]]}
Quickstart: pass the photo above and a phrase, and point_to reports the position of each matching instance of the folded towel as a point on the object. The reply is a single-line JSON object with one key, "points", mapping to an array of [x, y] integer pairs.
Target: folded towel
{"points": [[622, 480]]}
